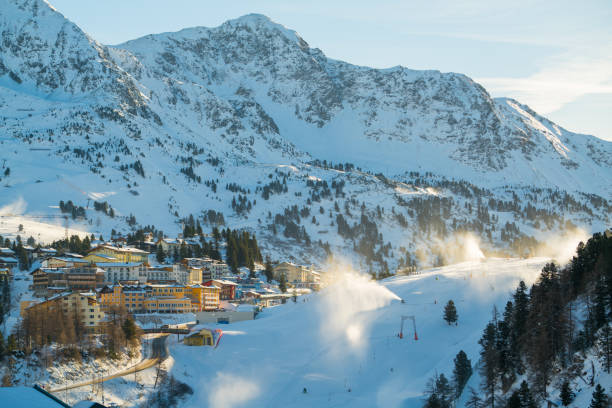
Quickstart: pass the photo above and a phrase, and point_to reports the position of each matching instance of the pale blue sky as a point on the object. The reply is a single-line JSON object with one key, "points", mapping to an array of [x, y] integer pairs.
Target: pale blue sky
{"points": [[555, 56]]}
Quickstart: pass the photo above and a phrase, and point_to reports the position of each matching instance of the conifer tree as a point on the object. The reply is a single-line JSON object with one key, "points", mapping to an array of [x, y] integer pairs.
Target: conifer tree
{"points": [[566, 394], [450, 312], [282, 283], [462, 372], [269, 271], [160, 255], [600, 398], [488, 368]]}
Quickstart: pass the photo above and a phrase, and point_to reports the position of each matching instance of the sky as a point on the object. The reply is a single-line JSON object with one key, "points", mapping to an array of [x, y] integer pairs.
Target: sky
{"points": [[555, 56]]}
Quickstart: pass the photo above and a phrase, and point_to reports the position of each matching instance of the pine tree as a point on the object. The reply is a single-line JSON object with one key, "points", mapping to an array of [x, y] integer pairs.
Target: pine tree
{"points": [[605, 346], [474, 401], [160, 255], [566, 394], [269, 271], [282, 283], [450, 312], [129, 329], [489, 370], [462, 372], [525, 396], [433, 402], [600, 398]]}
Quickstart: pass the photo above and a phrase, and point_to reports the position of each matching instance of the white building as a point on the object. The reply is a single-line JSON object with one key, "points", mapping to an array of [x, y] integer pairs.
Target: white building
{"points": [[122, 271]]}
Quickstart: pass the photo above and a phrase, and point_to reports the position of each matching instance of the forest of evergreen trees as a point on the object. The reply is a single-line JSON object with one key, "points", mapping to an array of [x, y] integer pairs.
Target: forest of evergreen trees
{"points": [[540, 335]]}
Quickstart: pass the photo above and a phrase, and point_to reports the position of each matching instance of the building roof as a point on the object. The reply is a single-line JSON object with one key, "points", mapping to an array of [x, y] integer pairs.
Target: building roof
{"points": [[6, 251], [119, 249], [73, 255], [117, 264], [30, 397], [69, 259], [109, 257], [7, 259]]}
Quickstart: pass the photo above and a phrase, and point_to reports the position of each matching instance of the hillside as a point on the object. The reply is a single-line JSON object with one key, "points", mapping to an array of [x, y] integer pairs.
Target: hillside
{"points": [[175, 124], [342, 345]]}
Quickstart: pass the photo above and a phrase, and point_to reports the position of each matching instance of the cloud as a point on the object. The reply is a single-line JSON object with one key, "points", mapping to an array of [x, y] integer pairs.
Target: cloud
{"points": [[562, 80]]}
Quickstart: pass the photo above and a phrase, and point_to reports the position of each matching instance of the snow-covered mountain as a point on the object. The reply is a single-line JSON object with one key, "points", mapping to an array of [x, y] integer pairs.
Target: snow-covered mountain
{"points": [[173, 124]]}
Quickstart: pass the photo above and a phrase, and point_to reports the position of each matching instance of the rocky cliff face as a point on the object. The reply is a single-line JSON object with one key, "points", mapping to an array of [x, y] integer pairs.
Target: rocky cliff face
{"points": [[162, 118]]}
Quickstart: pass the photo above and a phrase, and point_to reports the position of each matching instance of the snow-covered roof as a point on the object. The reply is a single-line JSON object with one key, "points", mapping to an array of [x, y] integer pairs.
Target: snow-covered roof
{"points": [[73, 255], [6, 251], [69, 259], [119, 249], [104, 256], [118, 264], [18, 397], [224, 282], [7, 259]]}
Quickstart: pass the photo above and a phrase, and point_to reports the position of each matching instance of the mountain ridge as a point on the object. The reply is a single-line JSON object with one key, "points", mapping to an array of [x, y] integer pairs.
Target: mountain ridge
{"points": [[162, 122]]}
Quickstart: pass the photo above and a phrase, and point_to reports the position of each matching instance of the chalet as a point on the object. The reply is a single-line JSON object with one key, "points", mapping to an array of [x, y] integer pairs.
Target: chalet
{"points": [[7, 252], [8, 262], [48, 281], [64, 262], [43, 253], [5, 274], [169, 245]]}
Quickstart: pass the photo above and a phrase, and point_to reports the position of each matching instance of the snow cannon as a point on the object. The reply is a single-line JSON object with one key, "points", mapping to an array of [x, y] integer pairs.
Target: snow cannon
{"points": [[217, 334]]}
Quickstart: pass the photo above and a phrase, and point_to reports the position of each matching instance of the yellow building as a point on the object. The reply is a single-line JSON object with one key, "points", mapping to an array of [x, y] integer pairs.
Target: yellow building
{"points": [[85, 305], [150, 298], [167, 305], [202, 338], [298, 275], [64, 262], [203, 298], [121, 254], [99, 258]]}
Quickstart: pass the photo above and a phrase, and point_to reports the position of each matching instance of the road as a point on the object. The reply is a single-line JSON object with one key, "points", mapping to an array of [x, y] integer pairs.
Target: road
{"points": [[159, 352]]}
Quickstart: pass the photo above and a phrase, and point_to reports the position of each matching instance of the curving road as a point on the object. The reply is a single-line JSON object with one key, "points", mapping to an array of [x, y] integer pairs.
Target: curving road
{"points": [[159, 352]]}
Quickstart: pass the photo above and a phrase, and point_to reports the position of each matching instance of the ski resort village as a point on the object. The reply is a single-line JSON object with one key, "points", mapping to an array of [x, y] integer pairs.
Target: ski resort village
{"points": [[226, 216]]}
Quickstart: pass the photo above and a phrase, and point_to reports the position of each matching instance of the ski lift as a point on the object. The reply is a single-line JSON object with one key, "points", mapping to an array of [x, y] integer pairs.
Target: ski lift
{"points": [[401, 333]]}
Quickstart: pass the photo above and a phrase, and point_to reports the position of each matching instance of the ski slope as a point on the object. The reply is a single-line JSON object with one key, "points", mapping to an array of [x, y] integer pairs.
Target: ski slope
{"points": [[342, 346]]}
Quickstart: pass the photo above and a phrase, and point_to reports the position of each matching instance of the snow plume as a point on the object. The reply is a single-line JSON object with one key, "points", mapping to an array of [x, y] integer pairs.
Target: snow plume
{"points": [[344, 325], [15, 208], [458, 247], [561, 246], [228, 391]]}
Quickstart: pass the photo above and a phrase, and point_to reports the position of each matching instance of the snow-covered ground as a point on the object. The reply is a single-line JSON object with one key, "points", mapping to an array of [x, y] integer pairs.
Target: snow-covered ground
{"points": [[342, 345]]}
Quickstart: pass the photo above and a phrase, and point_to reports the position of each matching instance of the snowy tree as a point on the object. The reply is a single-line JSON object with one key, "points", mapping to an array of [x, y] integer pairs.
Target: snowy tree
{"points": [[450, 312]]}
